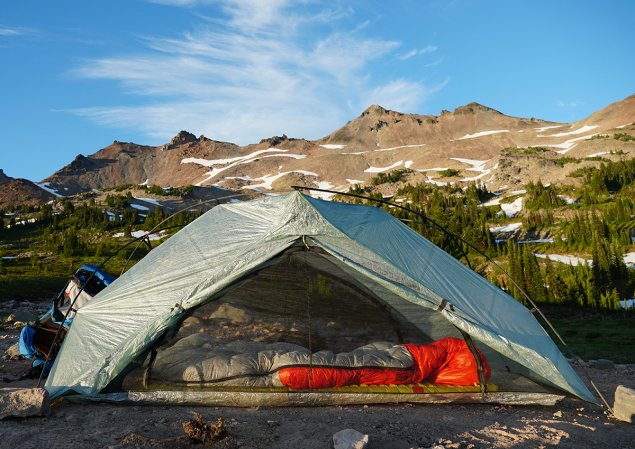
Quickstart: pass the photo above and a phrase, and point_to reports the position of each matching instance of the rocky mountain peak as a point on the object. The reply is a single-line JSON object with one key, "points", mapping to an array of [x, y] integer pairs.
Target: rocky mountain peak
{"points": [[277, 140], [474, 108], [4, 177], [374, 109], [181, 138]]}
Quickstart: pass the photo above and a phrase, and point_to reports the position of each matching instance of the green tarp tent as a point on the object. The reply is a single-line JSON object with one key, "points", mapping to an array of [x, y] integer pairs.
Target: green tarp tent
{"points": [[218, 251]]}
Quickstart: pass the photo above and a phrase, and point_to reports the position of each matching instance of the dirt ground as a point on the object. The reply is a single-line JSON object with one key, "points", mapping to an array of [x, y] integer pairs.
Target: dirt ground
{"points": [[570, 424]]}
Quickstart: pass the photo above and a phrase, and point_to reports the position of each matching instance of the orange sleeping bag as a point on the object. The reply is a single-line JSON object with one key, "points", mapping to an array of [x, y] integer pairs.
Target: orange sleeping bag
{"points": [[446, 361]]}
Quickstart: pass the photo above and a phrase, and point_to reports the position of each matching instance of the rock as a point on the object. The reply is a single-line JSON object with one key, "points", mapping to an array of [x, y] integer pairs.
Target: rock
{"points": [[23, 402], [558, 414], [181, 138], [232, 313], [624, 407], [603, 364], [349, 439], [191, 321], [22, 316], [13, 351]]}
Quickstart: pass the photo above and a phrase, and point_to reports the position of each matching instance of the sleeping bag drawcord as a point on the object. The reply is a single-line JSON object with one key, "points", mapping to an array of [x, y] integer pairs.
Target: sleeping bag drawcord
{"points": [[308, 309]]}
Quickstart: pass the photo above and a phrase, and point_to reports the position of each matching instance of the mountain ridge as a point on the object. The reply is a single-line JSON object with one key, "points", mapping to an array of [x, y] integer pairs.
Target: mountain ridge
{"points": [[470, 139]]}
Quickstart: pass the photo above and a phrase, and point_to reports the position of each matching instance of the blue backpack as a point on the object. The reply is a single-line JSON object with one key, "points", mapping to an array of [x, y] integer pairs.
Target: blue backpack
{"points": [[40, 341]]}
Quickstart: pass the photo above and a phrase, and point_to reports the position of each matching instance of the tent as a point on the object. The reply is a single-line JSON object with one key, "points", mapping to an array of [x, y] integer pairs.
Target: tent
{"points": [[277, 275]]}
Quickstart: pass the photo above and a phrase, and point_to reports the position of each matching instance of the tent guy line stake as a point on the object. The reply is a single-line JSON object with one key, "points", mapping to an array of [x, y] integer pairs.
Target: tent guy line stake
{"points": [[489, 259]]}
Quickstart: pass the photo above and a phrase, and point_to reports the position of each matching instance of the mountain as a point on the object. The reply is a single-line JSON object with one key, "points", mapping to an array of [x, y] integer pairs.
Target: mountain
{"points": [[21, 192], [4, 177], [475, 141], [129, 163]]}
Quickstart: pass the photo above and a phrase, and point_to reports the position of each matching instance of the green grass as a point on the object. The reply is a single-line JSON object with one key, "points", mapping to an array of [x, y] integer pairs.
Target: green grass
{"points": [[30, 287], [595, 335]]}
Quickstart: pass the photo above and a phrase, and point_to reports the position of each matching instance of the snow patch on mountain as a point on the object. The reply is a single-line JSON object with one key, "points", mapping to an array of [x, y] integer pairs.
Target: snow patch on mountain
{"points": [[213, 162], [478, 166], [545, 128], [148, 200], [584, 129], [268, 180], [46, 186], [602, 153], [511, 209], [323, 185], [511, 227], [568, 145], [423, 170], [138, 234], [402, 146], [305, 172], [429, 180], [228, 163], [483, 133], [383, 169], [569, 260], [333, 146]]}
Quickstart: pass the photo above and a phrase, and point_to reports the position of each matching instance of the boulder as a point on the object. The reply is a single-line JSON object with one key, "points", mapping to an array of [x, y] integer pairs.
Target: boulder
{"points": [[191, 321], [349, 439], [23, 402], [624, 407], [233, 314], [602, 364], [13, 352], [22, 316]]}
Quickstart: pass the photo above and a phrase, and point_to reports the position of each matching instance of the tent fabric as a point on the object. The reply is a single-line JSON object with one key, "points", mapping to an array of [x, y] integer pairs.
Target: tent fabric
{"points": [[231, 240]]}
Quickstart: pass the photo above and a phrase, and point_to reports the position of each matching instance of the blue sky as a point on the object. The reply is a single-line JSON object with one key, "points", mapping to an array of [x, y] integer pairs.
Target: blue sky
{"points": [[77, 75]]}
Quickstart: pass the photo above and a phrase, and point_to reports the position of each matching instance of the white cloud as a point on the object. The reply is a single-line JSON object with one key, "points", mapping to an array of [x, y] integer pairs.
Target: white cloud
{"points": [[570, 104], [248, 77], [418, 52], [14, 31], [402, 95]]}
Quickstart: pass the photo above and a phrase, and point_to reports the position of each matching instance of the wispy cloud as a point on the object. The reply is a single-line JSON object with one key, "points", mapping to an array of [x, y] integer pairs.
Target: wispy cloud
{"points": [[570, 104], [402, 95], [14, 31], [247, 77], [418, 52]]}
